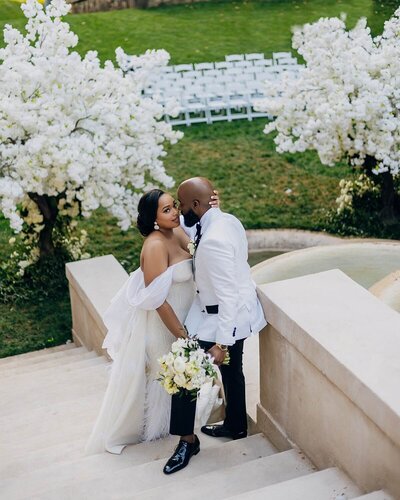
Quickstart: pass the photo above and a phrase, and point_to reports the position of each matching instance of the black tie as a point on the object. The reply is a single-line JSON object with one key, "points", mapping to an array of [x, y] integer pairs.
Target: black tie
{"points": [[197, 237]]}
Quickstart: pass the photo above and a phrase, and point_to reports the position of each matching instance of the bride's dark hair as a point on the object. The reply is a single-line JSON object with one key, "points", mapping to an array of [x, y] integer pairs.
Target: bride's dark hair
{"points": [[147, 211]]}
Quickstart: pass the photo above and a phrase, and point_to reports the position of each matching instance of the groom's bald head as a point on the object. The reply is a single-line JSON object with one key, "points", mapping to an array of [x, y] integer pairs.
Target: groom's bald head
{"points": [[194, 195]]}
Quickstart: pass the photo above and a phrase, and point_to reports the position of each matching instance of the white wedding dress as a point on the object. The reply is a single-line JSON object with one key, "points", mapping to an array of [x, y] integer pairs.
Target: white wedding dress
{"points": [[135, 407]]}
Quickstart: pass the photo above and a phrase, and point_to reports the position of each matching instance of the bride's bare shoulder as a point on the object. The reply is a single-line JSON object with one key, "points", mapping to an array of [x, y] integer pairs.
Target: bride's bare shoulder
{"points": [[180, 234], [154, 251]]}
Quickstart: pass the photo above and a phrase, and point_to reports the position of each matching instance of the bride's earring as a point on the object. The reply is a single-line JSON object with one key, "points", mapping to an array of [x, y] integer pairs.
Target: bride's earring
{"points": [[156, 226]]}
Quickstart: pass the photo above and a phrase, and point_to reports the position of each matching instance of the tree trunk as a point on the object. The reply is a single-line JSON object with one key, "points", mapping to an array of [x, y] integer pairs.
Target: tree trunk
{"points": [[390, 200], [390, 212], [48, 208]]}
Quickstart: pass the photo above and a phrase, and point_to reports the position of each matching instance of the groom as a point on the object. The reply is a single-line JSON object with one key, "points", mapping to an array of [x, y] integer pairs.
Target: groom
{"points": [[225, 311]]}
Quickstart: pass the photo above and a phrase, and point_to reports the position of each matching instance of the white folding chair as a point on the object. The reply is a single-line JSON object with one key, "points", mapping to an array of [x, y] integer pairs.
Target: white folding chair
{"points": [[233, 71], [291, 70], [206, 80], [263, 62], [217, 103], [167, 69], [187, 83], [271, 73], [281, 55], [183, 67], [292, 61], [195, 109], [234, 58], [255, 88], [221, 65], [254, 56], [203, 66], [239, 102], [192, 74], [248, 76], [223, 79], [170, 77], [212, 72], [243, 64], [258, 69]]}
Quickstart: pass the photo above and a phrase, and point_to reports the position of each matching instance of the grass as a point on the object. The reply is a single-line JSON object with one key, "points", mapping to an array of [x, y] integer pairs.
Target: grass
{"points": [[207, 31], [238, 157]]}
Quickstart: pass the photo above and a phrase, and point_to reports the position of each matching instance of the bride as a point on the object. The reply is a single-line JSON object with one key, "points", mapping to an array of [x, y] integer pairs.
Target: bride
{"points": [[143, 320]]}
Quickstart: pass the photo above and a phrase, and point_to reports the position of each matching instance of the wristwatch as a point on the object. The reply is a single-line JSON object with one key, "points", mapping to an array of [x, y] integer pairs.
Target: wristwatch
{"points": [[223, 347]]}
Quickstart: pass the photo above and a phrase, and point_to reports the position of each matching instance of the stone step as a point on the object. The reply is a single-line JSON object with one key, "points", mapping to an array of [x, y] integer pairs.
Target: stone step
{"points": [[328, 484], [84, 382], [20, 462], [23, 358], [149, 475], [89, 467], [376, 495], [44, 440], [59, 363], [225, 482], [42, 358], [52, 420], [46, 380]]}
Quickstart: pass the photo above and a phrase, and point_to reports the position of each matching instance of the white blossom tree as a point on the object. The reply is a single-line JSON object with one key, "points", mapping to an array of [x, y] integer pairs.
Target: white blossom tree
{"points": [[74, 135], [346, 102]]}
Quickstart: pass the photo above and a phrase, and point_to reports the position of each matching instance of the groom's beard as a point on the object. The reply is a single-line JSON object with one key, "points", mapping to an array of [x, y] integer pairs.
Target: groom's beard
{"points": [[190, 218]]}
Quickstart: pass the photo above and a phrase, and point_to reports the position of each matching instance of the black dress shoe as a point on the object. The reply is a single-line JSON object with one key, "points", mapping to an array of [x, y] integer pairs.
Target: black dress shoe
{"points": [[182, 454], [221, 431], [217, 431]]}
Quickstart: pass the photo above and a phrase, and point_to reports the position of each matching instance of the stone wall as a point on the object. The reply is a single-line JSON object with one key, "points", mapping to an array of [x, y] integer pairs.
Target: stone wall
{"points": [[92, 285], [99, 5], [79, 6], [329, 376]]}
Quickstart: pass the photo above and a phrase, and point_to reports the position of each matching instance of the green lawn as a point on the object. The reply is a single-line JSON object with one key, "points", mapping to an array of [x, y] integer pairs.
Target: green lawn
{"points": [[207, 31], [238, 157]]}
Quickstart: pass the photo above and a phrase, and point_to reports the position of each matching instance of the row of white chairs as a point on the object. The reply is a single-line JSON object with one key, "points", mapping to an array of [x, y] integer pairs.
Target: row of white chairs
{"points": [[240, 73], [198, 107], [255, 56], [223, 90], [235, 60], [215, 94], [245, 80], [233, 88]]}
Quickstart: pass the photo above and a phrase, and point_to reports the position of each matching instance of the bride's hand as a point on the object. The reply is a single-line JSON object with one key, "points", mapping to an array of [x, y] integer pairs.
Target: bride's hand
{"points": [[214, 199]]}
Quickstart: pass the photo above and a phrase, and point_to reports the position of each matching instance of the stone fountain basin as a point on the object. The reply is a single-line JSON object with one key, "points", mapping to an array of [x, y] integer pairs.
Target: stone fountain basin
{"points": [[366, 263]]}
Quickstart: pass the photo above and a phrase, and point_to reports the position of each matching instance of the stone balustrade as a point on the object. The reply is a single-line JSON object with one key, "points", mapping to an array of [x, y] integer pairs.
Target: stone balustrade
{"points": [[330, 376], [92, 285]]}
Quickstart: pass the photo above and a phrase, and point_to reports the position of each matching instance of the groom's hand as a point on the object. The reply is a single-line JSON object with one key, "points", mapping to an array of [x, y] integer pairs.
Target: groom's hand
{"points": [[218, 354]]}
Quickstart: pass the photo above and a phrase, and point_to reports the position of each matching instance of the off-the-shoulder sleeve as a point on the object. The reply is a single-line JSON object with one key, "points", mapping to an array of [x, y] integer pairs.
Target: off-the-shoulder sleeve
{"points": [[131, 299]]}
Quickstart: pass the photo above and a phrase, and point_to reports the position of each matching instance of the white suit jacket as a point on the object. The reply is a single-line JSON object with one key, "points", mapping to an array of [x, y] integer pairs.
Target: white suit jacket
{"points": [[222, 277]]}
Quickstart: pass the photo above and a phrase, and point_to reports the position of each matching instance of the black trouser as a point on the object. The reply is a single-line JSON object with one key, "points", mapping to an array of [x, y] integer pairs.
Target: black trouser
{"points": [[184, 407]]}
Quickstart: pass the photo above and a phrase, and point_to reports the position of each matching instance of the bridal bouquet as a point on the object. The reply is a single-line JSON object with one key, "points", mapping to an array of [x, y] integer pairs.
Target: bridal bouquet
{"points": [[186, 368]]}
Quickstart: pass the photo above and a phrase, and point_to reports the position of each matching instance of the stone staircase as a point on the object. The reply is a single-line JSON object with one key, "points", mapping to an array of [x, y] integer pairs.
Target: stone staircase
{"points": [[50, 400]]}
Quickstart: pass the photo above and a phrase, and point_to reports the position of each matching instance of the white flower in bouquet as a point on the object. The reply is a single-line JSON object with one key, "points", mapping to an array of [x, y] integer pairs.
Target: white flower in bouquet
{"points": [[185, 368], [179, 364], [169, 386], [180, 380]]}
